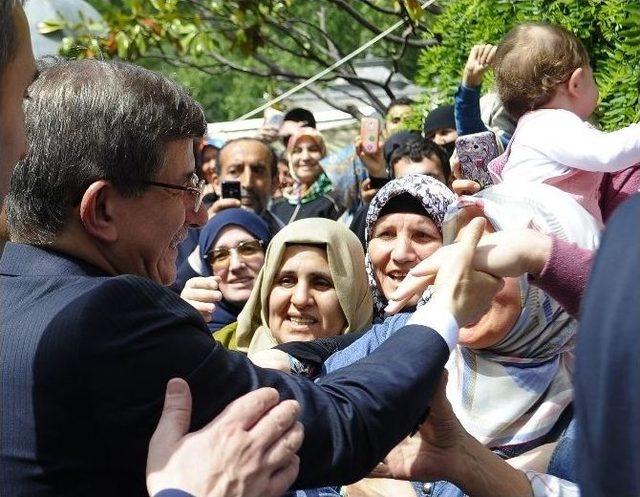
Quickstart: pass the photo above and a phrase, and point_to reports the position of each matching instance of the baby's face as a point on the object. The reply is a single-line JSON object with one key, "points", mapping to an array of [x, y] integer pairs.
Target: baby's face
{"points": [[588, 98]]}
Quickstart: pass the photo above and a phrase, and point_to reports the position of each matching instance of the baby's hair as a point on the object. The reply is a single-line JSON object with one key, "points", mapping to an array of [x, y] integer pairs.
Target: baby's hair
{"points": [[532, 60]]}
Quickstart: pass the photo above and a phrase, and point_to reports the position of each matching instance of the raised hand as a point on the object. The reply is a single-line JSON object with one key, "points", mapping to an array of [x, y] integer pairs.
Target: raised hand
{"points": [[203, 294], [374, 163], [509, 253], [479, 61], [443, 450], [459, 288], [222, 204]]}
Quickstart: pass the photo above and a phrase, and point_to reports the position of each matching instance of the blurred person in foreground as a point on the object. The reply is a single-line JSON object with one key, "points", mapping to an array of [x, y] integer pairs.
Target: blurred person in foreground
{"points": [[17, 72]]}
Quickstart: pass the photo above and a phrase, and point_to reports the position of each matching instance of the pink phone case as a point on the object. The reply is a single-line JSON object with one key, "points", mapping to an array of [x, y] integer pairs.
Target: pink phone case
{"points": [[369, 132], [475, 152]]}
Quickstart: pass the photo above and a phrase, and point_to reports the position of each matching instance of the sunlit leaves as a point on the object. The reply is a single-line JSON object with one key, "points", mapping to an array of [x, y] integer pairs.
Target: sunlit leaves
{"points": [[610, 29]]}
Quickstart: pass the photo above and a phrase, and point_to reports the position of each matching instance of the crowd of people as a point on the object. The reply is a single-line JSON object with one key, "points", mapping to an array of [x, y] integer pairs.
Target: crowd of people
{"points": [[431, 337]]}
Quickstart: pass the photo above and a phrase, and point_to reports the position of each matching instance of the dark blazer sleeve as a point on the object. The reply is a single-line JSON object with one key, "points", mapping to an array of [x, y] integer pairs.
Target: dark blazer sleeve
{"points": [[607, 377], [138, 336]]}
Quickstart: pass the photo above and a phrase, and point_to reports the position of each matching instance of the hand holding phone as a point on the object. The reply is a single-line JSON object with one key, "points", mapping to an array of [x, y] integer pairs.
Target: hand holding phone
{"points": [[231, 189], [475, 152], [369, 134]]}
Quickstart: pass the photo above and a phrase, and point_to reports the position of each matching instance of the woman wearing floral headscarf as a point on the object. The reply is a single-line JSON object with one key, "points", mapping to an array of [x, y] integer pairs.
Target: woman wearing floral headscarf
{"points": [[309, 196], [510, 377]]}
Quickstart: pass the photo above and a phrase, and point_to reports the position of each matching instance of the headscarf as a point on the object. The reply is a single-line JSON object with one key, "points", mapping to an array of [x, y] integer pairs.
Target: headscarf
{"points": [[516, 390], [297, 194], [432, 194], [227, 312], [346, 263]]}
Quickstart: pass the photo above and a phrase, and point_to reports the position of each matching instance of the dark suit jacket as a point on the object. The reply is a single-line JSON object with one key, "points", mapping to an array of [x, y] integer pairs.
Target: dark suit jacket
{"points": [[607, 378], [85, 358]]}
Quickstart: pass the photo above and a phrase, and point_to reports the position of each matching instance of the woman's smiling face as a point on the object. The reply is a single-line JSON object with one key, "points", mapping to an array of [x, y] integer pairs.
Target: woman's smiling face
{"points": [[398, 242], [303, 303], [305, 160]]}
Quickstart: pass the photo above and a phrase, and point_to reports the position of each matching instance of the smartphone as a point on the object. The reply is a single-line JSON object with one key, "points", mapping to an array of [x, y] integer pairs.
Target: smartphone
{"points": [[231, 189], [369, 134], [273, 118], [475, 151]]}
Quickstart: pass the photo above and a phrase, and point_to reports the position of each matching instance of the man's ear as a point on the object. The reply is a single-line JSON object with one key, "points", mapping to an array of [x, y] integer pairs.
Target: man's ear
{"points": [[96, 211], [575, 82]]}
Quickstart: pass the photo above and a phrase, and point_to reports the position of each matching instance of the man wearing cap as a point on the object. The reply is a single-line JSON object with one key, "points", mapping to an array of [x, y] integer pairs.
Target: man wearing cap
{"points": [[440, 126]]}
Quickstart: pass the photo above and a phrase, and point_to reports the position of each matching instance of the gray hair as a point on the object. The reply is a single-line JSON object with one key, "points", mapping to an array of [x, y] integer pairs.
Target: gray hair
{"points": [[89, 120], [8, 37]]}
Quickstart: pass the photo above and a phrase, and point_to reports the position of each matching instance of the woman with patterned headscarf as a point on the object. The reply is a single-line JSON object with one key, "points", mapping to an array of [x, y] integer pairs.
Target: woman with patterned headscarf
{"points": [[510, 376], [309, 196]]}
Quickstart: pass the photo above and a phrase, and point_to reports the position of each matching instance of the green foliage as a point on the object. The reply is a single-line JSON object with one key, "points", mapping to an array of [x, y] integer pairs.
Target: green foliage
{"points": [[610, 29], [254, 48]]}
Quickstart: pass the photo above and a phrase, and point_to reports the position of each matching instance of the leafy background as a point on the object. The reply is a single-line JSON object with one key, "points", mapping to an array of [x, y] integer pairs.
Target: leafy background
{"points": [[168, 35], [610, 29]]}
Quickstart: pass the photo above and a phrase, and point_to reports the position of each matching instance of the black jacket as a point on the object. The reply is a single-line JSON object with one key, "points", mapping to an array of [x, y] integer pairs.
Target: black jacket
{"points": [[85, 358], [323, 206]]}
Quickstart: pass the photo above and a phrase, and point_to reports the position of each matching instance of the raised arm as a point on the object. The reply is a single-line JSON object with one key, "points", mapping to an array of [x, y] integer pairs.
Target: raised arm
{"points": [[352, 417]]}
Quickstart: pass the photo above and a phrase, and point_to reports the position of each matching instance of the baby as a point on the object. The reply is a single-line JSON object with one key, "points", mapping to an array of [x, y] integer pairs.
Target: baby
{"points": [[544, 79]]}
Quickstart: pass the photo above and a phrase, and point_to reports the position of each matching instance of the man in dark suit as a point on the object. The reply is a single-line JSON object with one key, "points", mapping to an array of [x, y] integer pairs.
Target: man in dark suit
{"points": [[607, 379], [90, 337]]}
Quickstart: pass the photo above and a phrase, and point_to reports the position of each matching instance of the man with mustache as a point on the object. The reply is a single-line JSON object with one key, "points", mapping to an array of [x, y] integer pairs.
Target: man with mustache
{"points": [[253, 163]]}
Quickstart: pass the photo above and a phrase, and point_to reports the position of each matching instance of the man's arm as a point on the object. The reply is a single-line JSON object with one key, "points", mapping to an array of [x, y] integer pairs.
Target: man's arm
{"points": [[443, 450], [352, 418]]}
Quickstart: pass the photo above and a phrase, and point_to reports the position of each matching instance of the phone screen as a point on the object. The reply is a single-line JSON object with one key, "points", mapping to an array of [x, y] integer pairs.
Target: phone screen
{"points": [[231, 189]]}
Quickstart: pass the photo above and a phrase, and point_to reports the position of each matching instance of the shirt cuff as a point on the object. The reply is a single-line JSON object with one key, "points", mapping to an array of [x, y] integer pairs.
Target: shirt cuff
{"points": [[470, 89], [544, 485], [439, 320], [172, 492]]}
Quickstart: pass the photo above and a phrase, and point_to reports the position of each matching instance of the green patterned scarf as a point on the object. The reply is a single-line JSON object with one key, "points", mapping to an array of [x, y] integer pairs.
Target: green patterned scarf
{"points": [[297, 195]]}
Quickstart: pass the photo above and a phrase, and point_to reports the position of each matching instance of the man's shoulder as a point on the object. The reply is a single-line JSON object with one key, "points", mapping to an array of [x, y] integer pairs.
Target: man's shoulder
{"points": [[128, 293]]}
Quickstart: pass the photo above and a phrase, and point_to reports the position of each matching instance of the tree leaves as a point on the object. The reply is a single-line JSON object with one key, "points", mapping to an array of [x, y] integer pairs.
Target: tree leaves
{"points": [[610, 29]]}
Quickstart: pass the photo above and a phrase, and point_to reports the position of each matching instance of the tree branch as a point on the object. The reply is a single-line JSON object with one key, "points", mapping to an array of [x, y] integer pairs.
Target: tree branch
{"points": [[307, 55], [295, 35], [349, 109], [307, 36], [355, 97], [378, 8], [323, 26], [374, 29]]}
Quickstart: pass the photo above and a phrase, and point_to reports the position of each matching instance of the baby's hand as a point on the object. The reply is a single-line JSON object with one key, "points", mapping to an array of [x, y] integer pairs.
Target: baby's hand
{"points": [[479, 60]]}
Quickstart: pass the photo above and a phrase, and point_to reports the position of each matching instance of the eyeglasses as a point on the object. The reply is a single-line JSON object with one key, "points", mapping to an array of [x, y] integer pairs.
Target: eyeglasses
{"points": [[196, 189], [219, 258]]}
